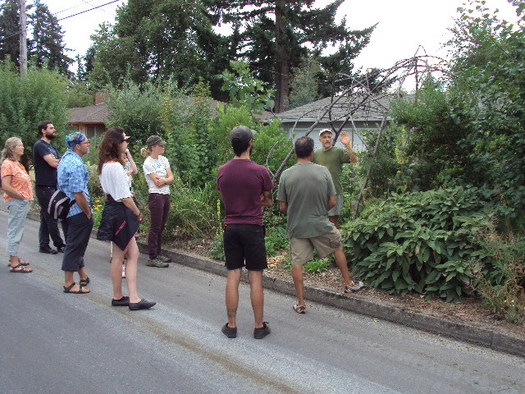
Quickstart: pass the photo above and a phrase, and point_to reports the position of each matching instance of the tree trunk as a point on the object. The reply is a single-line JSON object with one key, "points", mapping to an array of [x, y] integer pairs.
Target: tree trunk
{"points": [[281, 60]]}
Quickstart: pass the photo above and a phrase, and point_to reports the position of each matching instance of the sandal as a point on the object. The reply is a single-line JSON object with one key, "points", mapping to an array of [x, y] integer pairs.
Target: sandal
{"points": [[23, 262], [79, 291], [84, 282], [20, 269], [299, 308]]}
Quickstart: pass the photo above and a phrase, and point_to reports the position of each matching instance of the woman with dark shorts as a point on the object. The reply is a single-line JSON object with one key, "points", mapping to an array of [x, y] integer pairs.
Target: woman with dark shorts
{"points": [[120, 218]]}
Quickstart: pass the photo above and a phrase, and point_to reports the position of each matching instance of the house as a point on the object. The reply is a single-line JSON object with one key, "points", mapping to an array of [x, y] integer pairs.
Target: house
{"points": [[341, 113], [90, 120]]}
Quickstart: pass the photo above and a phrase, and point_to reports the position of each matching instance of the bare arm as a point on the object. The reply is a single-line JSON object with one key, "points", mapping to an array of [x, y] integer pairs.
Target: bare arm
{"points": [[283, 206], [51, 160], [81, 200], [9, 189], [132, 170], [332, 201], [266, 199], [347, 142]]}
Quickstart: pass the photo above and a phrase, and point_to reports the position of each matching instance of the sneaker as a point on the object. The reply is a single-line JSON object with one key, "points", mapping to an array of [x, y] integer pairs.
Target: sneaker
{"points": [[229, 332], [123, 270], [157, 263], [260, 333], [301, 309], [356, 287], [48, 250], [164, 259]]}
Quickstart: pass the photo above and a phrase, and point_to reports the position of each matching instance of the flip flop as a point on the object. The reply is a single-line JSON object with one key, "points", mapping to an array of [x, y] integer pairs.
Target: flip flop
{"points": [[19, 268], [79, 291]]}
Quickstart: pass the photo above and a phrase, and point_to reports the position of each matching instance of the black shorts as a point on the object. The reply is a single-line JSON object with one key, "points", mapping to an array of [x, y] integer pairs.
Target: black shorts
{"points": [[245, 242]]}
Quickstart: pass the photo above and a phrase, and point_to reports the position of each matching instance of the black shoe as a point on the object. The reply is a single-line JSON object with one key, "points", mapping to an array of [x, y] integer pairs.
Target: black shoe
{"points": [[48, 250], [124, 301], [60, 249], [229, 332], [260, 333], [142, 304]]}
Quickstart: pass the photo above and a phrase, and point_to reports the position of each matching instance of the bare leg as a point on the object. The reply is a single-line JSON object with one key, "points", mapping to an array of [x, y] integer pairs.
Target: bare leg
{"points": [[117, 257], [82, 273], [340, 260], [232, 296], [297, 275], [334, 220], [132, 254], [257, 296]]}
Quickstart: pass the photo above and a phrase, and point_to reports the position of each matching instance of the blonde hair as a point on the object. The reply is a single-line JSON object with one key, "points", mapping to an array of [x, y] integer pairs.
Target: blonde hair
{"points": [[146, 151], [10, 144]]}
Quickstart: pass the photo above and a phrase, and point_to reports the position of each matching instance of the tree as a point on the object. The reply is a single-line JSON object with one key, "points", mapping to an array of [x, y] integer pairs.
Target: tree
{"points": [[160, 39], [274, 45], [47, 48], [10, 31], [305, 83]]}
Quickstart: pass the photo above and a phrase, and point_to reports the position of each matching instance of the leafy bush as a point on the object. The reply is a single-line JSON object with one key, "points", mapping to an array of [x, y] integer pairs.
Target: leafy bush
{"points": [[26, 101], [500, 274], [317, 266], [419, 242]]}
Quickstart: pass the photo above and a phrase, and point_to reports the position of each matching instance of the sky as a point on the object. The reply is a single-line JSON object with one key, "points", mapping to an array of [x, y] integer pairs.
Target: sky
{"points": [[403, 25]]}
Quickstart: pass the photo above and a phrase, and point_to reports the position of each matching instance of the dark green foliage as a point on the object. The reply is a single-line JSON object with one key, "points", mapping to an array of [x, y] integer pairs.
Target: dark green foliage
{"points": [[26, 101], [419, 241], [46, 48]]}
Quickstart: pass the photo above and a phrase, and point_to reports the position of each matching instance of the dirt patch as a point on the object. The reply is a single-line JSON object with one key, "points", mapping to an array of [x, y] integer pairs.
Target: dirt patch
{"points": [[468, 311]]}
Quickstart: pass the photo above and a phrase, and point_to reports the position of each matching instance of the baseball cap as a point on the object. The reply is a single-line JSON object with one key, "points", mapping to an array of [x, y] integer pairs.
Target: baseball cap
{"points": [[155, 140], [325, 131], [242, 133]]}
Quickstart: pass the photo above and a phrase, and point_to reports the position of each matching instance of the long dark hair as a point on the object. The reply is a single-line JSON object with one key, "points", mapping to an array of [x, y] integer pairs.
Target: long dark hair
{"points": [[109, 148]]}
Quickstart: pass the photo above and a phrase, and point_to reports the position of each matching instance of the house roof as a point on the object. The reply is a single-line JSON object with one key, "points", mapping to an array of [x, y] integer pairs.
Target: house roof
{"points": [[93, 114], [360, 107], [99, 113]]}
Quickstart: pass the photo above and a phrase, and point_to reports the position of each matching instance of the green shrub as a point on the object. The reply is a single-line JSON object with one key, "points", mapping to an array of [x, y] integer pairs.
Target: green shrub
{"points": [[276, 240], [317, 266], [500, 274], [419, 241]]}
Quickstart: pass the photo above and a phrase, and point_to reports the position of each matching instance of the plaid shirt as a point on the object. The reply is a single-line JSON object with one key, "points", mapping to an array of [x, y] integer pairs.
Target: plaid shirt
{"points": [[72, 177]]}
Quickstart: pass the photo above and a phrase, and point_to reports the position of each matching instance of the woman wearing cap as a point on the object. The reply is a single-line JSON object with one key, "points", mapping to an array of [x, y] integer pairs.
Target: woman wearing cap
{"points": [[158, 176], [17, 194], [120, 218]]}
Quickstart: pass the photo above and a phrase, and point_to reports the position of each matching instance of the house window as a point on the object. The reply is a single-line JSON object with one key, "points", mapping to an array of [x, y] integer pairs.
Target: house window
{"points": [[94, 131]]}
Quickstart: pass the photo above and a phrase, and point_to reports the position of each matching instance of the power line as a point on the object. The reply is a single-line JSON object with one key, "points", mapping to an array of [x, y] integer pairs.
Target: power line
{"points": [[91, 9]]}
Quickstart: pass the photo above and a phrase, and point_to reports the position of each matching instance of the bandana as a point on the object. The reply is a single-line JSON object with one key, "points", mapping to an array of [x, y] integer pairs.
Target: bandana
{"points": [[74, 139]]}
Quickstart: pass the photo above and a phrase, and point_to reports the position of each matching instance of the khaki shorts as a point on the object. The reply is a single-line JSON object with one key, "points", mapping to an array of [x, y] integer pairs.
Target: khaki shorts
{"points": [[302, 249]]}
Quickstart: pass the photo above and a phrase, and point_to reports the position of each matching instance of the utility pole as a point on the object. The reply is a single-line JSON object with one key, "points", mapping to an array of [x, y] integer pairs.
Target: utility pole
{"points": [[23, 38]]}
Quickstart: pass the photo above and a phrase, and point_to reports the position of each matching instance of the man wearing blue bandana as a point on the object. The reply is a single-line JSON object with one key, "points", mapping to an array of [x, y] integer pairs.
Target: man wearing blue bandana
{"points": [[73, 179]]}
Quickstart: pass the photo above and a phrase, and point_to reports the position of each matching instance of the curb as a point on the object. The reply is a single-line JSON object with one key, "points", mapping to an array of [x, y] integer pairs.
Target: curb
{"points": [[356, 303]]}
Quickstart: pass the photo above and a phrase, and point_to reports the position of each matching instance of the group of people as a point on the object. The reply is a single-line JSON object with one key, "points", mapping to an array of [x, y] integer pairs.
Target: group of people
{"points": [[309, 193], [120, 218], [308, 196]]}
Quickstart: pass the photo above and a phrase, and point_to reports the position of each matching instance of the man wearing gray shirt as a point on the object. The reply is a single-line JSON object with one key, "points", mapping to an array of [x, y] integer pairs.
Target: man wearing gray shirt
{"points": [[306, 193]]}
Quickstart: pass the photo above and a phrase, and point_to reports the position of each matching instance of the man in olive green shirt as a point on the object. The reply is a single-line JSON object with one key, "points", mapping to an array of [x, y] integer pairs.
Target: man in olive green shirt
{"points": [[333, 158]]}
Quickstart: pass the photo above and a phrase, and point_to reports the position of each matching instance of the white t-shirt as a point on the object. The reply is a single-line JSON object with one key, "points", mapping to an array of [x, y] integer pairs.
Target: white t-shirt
{"points": [[160, 167], [114, 181]]}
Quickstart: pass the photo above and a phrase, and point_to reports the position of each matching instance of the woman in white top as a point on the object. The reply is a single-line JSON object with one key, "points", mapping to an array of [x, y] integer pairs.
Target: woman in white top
{"points": [[158, 176], [120, 218]]}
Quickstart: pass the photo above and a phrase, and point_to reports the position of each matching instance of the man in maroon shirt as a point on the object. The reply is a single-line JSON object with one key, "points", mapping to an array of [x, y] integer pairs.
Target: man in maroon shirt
{"points": [[245, 188]]}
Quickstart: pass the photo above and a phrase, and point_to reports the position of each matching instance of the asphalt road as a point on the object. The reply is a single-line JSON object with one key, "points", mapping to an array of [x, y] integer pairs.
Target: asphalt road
{"points": [[51, 342]]}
